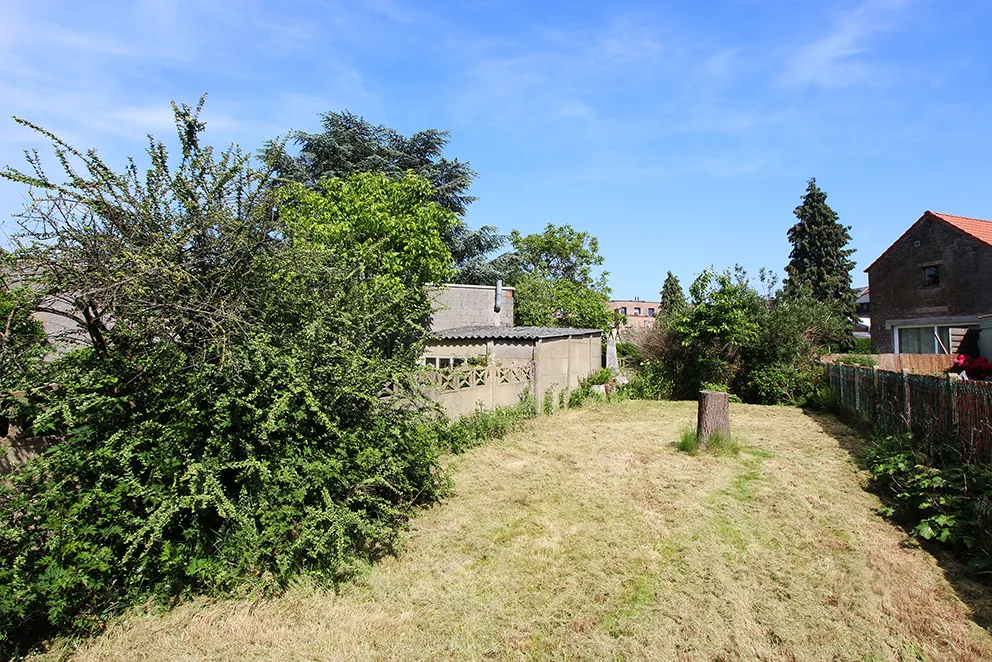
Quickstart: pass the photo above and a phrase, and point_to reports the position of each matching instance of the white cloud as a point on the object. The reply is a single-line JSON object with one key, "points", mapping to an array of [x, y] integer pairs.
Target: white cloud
{"points": [[838, 59]]}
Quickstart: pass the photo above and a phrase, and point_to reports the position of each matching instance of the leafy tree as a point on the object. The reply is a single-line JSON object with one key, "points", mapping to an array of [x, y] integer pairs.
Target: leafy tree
{"points": [[723, 320], [553, 274], [783, 365], [226, 423], [819, 260], [673, 303], [350, 144]]}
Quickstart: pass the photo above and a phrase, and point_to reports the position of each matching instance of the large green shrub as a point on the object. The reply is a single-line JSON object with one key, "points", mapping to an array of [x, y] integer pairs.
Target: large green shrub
{"points": [[226, 427]]}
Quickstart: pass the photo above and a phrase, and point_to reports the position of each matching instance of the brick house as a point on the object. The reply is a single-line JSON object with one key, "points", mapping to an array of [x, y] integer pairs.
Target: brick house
{"points": [[640, 314], [929, 288]]}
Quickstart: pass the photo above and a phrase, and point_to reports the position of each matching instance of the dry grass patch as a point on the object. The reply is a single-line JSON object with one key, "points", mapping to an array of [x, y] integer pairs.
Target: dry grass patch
{"points": [[587, 536]]}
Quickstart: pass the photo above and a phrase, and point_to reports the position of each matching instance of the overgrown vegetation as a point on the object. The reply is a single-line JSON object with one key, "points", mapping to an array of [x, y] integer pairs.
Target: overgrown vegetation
{"points": [[762, 348], [865, 360], [349, 144], [553, 272], [730, 338], [587, 537], [931, 485], [23, 344], [600, 377], [223, 427], [485, 425], [932, 488], [935, 494]]}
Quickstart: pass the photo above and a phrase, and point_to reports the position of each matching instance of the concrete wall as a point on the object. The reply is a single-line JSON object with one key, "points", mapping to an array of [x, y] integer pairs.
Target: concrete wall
{"points": [[562, 362], [499, 384], [555, 363], [470, 305], [898, 296]]}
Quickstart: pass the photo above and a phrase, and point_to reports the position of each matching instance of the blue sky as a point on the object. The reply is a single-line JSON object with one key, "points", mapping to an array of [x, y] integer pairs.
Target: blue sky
{"points": [[681, 134]]}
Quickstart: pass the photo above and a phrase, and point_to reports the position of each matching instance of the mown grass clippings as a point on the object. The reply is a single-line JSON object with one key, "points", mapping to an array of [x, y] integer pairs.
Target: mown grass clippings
{"points": [[587, 536]]}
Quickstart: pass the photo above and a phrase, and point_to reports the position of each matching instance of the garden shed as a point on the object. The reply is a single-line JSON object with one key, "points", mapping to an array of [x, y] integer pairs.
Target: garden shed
{"points": [[495, 364]]}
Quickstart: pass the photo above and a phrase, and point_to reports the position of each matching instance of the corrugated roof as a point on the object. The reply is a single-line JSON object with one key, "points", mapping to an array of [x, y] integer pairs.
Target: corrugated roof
{"points": [[511, 332], [974, 227]]}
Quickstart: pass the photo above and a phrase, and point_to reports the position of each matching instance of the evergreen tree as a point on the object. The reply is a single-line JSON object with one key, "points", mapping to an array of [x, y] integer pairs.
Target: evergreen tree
{"points": [[673, 301], [820, 261]]}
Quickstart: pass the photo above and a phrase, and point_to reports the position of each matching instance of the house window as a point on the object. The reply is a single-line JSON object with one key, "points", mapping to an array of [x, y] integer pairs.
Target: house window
{"points": [[623, 310], [923, 340], [651, 312], [647, 323], [637, 311], [931, 276]]}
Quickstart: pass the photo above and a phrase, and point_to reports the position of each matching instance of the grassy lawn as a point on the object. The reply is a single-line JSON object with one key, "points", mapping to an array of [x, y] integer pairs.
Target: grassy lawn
{"points": [[588, 536]]}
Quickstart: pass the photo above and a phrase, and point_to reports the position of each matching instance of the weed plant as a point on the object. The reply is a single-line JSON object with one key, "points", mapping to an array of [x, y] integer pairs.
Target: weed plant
{"points": [[719, 444]]}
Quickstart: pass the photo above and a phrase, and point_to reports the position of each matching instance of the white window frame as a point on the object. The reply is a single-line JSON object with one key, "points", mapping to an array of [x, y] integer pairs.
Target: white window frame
{"points": [[937, 344]]}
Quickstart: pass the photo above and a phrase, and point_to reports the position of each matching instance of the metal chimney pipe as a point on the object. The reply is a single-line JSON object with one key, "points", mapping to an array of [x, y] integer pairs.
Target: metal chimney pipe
{"points": [[499, 296]]}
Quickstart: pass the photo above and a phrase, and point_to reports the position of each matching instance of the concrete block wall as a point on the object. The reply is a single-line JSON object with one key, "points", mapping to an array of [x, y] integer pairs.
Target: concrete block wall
{"points": [[470, 305], [560, 363]]}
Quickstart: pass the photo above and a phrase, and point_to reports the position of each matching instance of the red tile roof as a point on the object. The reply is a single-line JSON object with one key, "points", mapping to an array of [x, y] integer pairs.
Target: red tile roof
{"points": [[978, 228]]}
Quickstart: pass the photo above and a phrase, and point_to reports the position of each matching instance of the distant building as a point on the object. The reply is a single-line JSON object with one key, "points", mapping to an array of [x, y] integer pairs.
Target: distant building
{"points": [[863, 328], [930, 287], [640, 314]]}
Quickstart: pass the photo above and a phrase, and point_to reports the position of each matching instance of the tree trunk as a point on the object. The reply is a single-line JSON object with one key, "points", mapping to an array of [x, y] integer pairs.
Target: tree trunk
{"points": [[713, 416]]}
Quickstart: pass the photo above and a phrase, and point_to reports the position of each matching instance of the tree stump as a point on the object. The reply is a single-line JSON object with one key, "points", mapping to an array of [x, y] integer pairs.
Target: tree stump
{"points": [[713, 416]]}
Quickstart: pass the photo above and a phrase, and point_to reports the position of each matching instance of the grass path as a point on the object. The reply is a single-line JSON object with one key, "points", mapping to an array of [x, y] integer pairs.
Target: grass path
{"points": [[587, 536]]}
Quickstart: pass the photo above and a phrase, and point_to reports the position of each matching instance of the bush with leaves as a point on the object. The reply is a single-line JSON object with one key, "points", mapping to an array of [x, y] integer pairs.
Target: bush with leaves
{"points": [[730, 336], [783, 365], [937, 494], [703, 343], [23, 344], [226, 425]]}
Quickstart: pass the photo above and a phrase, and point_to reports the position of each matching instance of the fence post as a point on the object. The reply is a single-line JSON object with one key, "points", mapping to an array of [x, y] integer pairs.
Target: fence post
{"points": [[840, 383], [953, 393], [857, 390], [907, 408], [492, 376]]}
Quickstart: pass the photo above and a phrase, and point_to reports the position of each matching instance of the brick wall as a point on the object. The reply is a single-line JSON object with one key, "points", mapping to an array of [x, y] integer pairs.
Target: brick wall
{"points": [[898, 292]]}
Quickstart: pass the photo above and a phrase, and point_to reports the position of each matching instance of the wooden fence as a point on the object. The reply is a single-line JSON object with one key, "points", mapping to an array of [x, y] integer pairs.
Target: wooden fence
{"points": [[921, 364], [936, 409]]}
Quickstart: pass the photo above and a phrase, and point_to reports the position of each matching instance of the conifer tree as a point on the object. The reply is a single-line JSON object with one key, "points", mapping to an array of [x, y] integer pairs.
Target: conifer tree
{"points": [[673, 301], [820, 261]]}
